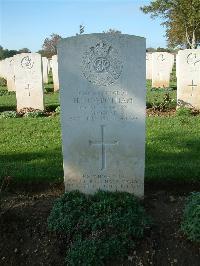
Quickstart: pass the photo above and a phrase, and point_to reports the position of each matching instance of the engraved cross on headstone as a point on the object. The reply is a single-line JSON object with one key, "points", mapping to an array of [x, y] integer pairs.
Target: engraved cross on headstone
{"points": [[29, 94], [102, 144], [192, 85]]}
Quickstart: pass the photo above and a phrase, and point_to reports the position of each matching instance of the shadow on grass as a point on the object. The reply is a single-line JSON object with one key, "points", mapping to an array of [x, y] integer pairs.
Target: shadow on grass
{"points": [[162, 165], [173, 158], [32, 166], [51, 107], [7, 108]]}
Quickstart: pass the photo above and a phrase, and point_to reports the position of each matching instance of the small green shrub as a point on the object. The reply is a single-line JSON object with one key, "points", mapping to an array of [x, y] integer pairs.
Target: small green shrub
{"points": [[34, 114], [3, 82], [165, 104], [183, 111], [57, 110], [101, 226], [48, 89], [6, 92], [9, 114], [191, 217], [95, 251]]}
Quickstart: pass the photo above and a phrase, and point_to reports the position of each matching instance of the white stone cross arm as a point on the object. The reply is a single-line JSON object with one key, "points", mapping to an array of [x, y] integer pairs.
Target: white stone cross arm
{"points": [[192, 85], [102, 144], [28, 88]]}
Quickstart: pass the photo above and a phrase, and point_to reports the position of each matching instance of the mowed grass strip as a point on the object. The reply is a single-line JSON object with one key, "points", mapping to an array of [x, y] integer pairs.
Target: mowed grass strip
{"points": [[31, 149], [173, 148]]}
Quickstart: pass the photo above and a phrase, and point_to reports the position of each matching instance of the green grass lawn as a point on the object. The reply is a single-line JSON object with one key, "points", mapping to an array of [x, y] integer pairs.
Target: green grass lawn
{"points": [[31, 148], [173, 148]]}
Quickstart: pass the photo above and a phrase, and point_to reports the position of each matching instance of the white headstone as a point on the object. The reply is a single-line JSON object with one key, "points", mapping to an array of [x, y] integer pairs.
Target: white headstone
{"points": [[28, 81], [188, 78], [102, 78], [148, 65], [45, 69], [9, 73], [2, 68], [161, 69], [54, 65]]}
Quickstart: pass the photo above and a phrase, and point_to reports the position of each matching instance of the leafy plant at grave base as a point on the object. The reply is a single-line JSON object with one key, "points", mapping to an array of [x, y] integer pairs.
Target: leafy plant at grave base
{"points": [[162, 89], [98, 227], [96, 251], [57, 110], [191, 217], [3, 82], [9, 114], [183, 111], [48, 88], [34, 114], [5, 92], [164, 105]]}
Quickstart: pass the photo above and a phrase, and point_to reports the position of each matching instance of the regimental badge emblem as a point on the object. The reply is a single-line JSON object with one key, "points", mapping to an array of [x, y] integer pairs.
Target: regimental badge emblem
{"points": [[101, 64], [161, 58], [193, 59], [27, 62]]}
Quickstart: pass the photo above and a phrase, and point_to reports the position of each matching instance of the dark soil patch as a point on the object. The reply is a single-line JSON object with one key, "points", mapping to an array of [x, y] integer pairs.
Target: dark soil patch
{"points": [[168, 112], [25, 240], [153, 112]]}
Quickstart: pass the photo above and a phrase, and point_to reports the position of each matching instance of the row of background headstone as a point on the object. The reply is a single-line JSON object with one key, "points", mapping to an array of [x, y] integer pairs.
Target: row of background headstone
{"points": [[159, 66], [26, 73], [7, 70]]}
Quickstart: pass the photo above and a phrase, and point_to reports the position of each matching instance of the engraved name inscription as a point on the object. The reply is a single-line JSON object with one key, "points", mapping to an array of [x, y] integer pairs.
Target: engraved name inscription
{"points": [[103, 106]]}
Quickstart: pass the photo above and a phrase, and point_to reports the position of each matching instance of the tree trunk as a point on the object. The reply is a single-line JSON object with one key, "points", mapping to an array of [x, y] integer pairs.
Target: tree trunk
{"points": [[193, 46]]}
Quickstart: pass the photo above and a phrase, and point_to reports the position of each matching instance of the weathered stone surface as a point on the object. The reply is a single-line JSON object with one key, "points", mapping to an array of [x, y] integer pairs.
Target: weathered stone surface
{"points": [[102, 79], [188, 78], [28, 81], [162, 64], [54, 65]]}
